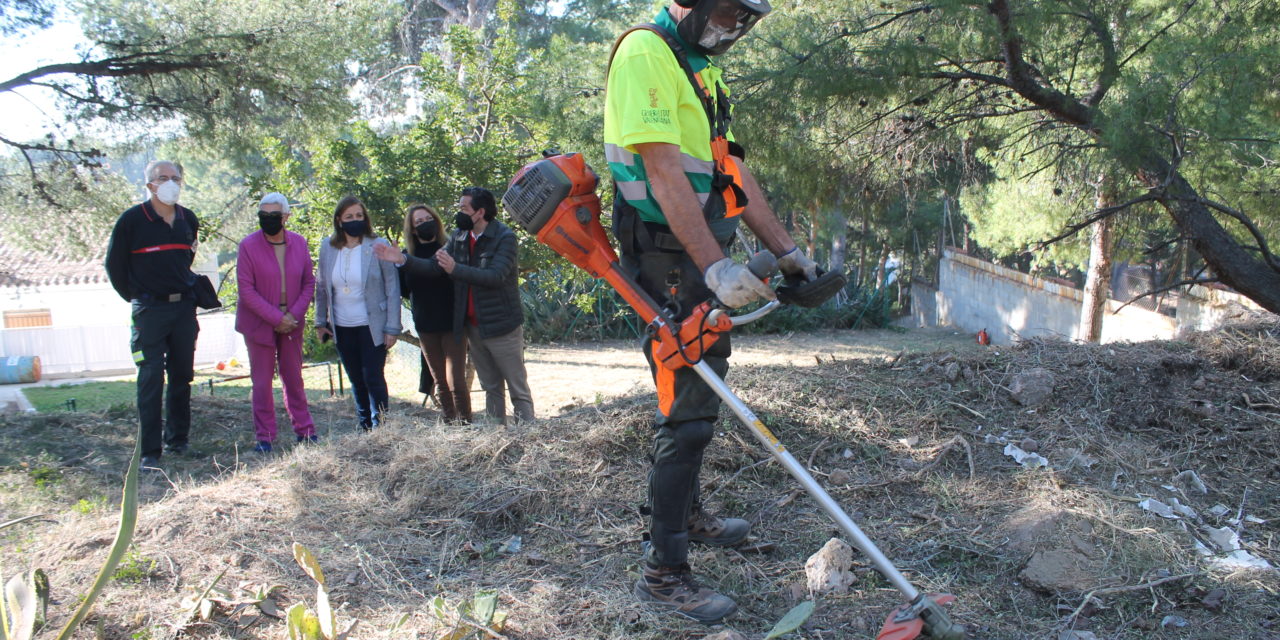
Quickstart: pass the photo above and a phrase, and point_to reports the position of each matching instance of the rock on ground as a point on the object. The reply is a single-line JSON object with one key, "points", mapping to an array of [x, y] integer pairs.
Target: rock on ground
{"points": [[828, 569], [1031, 388], [1059, 571]]}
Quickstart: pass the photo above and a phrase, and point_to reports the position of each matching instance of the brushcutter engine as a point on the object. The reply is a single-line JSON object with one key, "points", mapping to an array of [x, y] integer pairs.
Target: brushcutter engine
{"points": [[555, 200]]}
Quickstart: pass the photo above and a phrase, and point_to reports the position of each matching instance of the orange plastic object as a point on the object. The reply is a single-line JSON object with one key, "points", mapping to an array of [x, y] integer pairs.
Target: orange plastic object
{"points": [[910, 628]]}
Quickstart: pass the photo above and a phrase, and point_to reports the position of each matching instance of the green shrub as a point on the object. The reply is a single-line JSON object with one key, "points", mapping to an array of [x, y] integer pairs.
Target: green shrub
{"points": [[562, 303]]}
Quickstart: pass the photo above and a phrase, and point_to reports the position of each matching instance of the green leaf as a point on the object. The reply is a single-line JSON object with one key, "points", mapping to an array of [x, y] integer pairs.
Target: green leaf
{"points": [[328, 626], [440, 608], [293, 620], [40, 585], [483, 606], [399, 623], [308, 562], [22, 606], [792, 621], [124, 536], [198, 607], [310, 627]]}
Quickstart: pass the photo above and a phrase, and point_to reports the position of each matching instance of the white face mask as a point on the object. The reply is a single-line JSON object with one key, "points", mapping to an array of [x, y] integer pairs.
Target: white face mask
{"points": [[168, 191]]}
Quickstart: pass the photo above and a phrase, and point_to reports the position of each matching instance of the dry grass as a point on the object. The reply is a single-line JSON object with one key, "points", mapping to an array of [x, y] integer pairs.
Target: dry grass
{"points": [[419, 508]]}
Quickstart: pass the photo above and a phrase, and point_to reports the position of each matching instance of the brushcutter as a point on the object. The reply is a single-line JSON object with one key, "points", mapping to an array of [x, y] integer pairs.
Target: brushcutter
{"points": [[555, 200]]}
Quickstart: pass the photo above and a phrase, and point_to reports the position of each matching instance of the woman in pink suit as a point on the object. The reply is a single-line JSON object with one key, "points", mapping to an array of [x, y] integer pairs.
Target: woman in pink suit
{"points": [[276, 282]]}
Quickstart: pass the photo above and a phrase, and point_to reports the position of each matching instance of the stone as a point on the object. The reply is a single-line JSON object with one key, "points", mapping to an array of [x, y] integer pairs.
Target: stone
{"points": [[1032, 388], [1033, 527], [1077, 635], [1058, 571], [1213, 600], [839, 476], [951, 372], [1029, 445], [727, 634], [828, 569]]}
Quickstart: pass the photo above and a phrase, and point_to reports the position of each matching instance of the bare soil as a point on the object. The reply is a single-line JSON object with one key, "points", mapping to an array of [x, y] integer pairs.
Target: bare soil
{"points": [[907, 430]]}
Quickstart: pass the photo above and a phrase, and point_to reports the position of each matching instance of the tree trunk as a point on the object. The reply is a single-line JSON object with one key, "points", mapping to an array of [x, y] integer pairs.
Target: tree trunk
{"points": [[862, 245], [839, 237], [1097, 286], [1230, 262]]}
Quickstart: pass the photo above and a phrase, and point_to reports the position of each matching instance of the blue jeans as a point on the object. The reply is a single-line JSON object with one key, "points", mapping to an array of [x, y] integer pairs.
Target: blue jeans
{"points": [[364, 363]]}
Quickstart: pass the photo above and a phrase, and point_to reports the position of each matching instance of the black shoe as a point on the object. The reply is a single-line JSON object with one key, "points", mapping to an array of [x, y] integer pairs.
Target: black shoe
{"points": [[311, 439], [149, 463], [178, 449], [262, 447]]}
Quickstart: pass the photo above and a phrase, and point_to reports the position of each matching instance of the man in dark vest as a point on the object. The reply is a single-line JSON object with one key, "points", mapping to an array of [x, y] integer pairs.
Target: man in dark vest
{"points": [[149, 262]]}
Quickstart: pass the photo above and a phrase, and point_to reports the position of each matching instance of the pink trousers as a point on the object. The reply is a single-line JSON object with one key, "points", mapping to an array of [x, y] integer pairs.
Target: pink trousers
{"points": [[287, 350]]}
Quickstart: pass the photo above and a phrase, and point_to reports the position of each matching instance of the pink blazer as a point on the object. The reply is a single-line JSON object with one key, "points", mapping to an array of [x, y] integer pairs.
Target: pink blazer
{"points": [[258, 276]]}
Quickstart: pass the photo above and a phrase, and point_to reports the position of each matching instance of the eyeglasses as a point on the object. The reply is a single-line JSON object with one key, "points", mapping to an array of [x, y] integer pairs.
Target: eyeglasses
{"points": [[271, 214]]}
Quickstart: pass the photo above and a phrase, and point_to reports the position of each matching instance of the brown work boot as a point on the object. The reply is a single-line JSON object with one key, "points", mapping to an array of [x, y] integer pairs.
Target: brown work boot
{"points": [[716, 532], [675, 588]]}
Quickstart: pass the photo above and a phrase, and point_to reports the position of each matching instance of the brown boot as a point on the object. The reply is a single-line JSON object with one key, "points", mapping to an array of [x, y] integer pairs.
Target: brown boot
{"points": [[716, 532], [675, 588]]}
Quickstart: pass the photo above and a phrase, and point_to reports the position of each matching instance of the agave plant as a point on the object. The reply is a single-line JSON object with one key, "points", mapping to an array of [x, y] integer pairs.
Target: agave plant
{"points": [[26, 598]]}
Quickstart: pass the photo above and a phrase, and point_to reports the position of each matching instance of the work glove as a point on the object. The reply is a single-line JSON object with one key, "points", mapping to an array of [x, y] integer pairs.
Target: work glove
{"points": [[796, 264], [734, 285], [805, 284]]}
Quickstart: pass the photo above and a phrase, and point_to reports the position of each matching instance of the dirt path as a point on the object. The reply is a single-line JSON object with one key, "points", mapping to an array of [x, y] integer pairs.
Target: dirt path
{"points": [[569, 375]]}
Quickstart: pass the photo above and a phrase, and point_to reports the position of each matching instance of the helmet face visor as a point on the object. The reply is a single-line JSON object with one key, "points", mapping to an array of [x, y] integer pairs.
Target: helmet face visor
{"points": [[712, 26]]}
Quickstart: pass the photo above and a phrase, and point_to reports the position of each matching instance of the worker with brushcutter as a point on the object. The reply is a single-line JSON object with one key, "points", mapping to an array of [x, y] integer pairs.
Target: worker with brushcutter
{"points": [[681, 189]]}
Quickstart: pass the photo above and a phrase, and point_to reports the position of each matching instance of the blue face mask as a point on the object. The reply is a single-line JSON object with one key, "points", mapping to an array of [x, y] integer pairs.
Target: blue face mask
{"points": [[355, 228]]}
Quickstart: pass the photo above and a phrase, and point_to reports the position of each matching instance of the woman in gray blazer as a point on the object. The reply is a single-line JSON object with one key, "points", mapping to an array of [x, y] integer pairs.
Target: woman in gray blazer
{"points": [[358, 305]]}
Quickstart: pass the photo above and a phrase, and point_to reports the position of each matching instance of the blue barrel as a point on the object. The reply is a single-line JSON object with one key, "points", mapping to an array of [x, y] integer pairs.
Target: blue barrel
{"points": [[15, 369]]}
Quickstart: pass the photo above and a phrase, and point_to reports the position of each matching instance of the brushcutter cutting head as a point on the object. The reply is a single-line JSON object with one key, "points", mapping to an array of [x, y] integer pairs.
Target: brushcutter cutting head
{"points": [[923, 617]]}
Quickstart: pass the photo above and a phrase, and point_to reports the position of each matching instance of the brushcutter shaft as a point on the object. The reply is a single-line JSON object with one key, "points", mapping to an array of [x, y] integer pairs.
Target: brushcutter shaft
{"points": [[789, 462]]}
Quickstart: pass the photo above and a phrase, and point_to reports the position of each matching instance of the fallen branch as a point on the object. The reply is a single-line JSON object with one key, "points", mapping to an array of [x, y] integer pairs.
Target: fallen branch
{"points": [[1112, 590], [974, 412], [947, 447]]}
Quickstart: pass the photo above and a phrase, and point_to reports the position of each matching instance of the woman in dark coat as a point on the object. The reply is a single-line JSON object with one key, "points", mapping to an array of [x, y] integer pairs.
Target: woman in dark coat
{"points": [[431, 299]]}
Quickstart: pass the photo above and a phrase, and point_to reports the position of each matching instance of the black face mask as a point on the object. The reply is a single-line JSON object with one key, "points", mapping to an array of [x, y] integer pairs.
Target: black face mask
{"points": [[427, 230], [703, 28], [463, 221], [355, 228], [271, 223]]}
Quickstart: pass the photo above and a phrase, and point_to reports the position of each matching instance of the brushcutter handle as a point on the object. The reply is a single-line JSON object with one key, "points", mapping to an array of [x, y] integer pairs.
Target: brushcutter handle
{"points": [[762, 265]]}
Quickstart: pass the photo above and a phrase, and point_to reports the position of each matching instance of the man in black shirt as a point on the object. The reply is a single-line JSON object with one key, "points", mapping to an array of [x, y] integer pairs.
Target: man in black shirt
{"points": [[149, 263]]}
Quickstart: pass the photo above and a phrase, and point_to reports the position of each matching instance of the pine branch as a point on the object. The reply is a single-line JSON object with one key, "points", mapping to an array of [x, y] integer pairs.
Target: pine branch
{"points": [[1100, 214]]}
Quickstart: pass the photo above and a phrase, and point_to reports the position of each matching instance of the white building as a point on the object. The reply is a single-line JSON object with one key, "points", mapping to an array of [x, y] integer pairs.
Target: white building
{"points": [[65, 311]]}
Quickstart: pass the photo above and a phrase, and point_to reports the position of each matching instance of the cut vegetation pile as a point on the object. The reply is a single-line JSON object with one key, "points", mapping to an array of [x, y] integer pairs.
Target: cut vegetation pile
{"points": [[921, 449]]}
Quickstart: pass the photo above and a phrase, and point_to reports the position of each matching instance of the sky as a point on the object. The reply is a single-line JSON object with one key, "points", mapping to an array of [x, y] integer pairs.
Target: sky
{"points": [[30, 111]]}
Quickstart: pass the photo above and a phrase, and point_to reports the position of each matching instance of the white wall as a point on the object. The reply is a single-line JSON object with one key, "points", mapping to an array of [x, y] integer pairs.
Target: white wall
{"points": [[70, 305], [973, 294]]}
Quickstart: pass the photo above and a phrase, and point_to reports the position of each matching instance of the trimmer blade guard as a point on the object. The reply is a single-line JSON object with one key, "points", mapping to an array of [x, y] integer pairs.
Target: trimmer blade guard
{"points": [[813, 293], [924, 618]]}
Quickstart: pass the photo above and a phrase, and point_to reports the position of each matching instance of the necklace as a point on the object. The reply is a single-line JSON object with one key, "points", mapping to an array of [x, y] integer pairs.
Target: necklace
{"points": [[344, 258]]}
